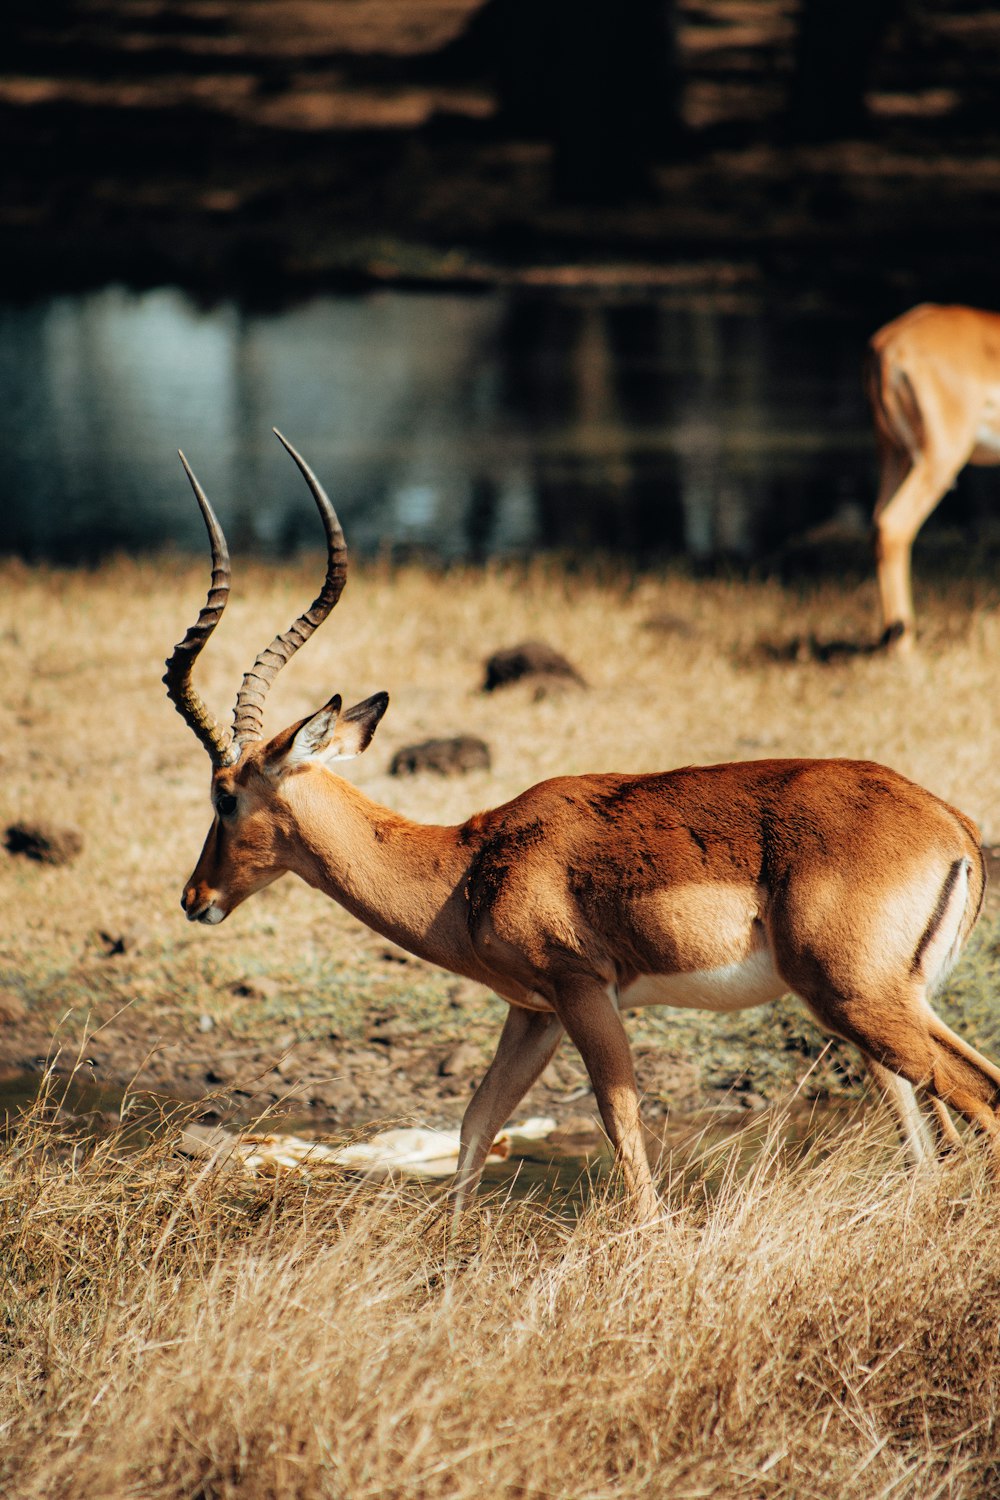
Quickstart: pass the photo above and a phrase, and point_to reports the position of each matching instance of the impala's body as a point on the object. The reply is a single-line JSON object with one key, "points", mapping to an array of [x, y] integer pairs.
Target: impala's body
{"points": [[670, 889], [718, 887], [933, 382]]}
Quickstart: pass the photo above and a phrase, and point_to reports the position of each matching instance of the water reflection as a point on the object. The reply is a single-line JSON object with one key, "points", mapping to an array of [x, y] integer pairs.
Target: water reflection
{"points": [[466, 425]]}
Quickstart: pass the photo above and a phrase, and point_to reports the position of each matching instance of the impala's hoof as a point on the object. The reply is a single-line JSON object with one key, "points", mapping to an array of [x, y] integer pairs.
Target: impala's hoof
{"points": [[898, 638]]}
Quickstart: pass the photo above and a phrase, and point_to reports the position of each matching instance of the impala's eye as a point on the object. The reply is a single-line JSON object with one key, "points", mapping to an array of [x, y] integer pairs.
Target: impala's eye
{"points": [[226, 804]]}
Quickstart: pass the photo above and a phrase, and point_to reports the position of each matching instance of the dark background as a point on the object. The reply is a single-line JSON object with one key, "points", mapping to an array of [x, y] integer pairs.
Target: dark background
{"points": [[679, 220], [843, 147]]}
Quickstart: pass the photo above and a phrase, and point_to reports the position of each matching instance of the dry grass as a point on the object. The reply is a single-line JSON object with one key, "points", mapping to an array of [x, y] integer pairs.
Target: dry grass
{"points": [[88, 737], [825, 1326], [822, 1327]]}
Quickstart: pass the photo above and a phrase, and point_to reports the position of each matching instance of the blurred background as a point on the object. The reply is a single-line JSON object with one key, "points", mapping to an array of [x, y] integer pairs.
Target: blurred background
{"points": [[513, 274]]}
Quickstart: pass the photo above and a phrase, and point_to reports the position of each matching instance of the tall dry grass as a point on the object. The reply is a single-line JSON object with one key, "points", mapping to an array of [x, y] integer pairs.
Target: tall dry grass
{"points": [[825, 1326]]}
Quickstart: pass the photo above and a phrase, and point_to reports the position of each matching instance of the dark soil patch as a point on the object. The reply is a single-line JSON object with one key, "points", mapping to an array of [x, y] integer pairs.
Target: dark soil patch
{"points": [[330, 1084]]}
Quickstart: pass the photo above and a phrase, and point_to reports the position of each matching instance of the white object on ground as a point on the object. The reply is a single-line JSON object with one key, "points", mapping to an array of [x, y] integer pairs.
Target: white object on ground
{"points": [[409, 1152]]}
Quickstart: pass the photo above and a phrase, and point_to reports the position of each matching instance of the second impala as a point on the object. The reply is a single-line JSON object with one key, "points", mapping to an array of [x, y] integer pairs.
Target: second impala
{"points": [[933, 380], [716, 887]]}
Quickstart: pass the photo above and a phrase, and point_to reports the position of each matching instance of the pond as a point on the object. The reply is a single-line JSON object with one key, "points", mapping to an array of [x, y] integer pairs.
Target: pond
{"points": [[565, 1169], [449, 425], [453, 425]]}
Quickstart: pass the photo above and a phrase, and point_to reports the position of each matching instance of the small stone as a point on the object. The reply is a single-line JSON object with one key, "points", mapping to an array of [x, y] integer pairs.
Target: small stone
{"points": [[448, 757], [753, 1101], [260, 987], [454, 1087], [44, 842], [205, 1024], [127, 940], [385, 1032], [530, 659], [392, 953], [341, 1098], [220, 1073]]}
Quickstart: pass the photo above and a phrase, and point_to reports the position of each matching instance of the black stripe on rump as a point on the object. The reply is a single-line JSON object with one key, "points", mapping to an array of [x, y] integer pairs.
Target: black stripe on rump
{"points": [[937, 916]]}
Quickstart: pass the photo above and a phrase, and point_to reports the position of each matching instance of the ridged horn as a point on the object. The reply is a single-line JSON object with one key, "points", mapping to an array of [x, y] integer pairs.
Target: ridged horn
{"points": [[248, 715], [185, 698]]}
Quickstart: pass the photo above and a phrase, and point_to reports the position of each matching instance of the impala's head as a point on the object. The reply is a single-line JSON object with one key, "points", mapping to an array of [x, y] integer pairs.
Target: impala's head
{"points": [[251, 837]]}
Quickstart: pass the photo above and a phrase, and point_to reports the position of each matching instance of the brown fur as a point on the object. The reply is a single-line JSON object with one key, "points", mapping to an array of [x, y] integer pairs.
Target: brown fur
{"points": [[844, 872], [933, 384]]}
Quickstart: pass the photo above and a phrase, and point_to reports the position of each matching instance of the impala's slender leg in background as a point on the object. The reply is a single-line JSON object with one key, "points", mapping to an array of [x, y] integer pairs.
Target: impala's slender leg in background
{"points": [[926, 1127], [946, 1135], [901, 1098], [527, 1044], [898, 518]]}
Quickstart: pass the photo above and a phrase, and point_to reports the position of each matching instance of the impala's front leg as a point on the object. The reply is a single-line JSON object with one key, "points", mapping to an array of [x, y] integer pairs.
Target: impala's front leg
{"points": [[527, 1042], [591, 1018]]}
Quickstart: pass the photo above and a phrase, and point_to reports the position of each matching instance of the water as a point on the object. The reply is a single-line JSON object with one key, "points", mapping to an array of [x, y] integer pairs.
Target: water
{"points": [[697, 1153], [461, 426], [466, 426], [83, 1105]]}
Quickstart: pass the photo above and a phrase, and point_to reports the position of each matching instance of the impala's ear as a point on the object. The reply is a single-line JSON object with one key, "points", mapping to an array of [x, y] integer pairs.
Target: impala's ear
{"points": [[331, 735]]}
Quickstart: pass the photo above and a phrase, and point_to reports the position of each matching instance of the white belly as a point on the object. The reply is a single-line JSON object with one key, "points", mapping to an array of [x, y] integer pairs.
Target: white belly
{"points": [[987, 445], [734, 987], [988, 439]]}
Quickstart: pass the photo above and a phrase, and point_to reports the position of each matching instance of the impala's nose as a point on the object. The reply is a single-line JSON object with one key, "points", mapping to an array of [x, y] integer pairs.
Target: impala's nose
{"points": [[200, 905]]}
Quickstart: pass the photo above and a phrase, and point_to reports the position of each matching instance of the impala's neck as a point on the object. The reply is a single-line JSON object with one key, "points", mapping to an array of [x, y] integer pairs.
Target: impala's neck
{"points": [[403, 879]]}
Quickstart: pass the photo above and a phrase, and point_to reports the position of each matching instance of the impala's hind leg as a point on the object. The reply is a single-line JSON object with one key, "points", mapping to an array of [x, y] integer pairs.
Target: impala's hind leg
{"points": [[590, 1016], [900, 512], [926, 1127], [944, 1127], [903, 1036], [910, 1120], [964, 1080]]}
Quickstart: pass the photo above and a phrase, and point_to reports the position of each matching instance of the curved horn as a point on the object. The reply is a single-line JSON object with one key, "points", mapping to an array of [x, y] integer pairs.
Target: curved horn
{"points": [[217, 740], [248, 715]]}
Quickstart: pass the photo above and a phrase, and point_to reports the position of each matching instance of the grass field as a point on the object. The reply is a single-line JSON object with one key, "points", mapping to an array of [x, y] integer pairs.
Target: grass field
{"points": [[680, 671], [823, 1326]]}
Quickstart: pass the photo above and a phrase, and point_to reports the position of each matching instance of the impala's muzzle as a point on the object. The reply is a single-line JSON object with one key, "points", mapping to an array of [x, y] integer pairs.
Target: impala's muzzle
{"points": [[201, 905]]}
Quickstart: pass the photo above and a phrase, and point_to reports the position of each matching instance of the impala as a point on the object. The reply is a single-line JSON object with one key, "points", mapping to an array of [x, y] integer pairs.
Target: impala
{"points": [[933, 381], [717, 887]]}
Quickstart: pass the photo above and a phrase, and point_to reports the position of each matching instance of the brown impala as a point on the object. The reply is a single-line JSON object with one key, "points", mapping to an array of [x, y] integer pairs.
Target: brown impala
{"points": [[715, 887], [933, 380]]}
